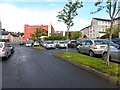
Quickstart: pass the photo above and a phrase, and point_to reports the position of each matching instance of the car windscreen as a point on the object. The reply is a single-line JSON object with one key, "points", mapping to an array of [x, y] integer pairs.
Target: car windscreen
{"points": [[62, 42], [100, 42], [107, 41], [49, 42], [28, 42], [1, 45], [116, 41]]}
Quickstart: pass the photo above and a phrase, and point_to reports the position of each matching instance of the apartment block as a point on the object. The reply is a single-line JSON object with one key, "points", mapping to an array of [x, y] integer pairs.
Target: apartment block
{"points": [[98, 27]]}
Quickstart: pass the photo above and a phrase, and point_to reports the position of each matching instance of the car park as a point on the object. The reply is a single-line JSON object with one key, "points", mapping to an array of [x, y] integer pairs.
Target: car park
{"points": [[91, 47], [62, 44], [11, 47], [5, 51], [114, 54], [49, 45]]}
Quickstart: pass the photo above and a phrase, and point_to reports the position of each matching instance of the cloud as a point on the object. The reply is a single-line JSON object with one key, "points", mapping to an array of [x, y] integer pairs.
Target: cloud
{"points": [[13, 18]]}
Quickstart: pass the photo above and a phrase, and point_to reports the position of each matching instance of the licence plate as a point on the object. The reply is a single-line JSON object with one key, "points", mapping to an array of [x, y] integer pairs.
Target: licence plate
{"points": [[102, 46]]}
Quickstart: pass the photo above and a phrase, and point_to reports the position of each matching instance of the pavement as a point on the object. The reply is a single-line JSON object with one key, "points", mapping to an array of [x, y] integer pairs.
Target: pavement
{"points": [[33, 68]]}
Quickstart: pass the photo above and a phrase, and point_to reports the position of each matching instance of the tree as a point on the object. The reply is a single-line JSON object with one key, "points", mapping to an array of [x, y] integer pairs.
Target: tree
{"points": [[111, 8], [22, 34], [36, 36], [39, 32], [33, 37], [76, 35], [68, 13], [114, 33]]}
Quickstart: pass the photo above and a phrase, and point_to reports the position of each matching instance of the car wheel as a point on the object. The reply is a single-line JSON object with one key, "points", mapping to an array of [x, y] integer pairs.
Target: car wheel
{"points": [[104, 57], [91, 53], [6, 57]]}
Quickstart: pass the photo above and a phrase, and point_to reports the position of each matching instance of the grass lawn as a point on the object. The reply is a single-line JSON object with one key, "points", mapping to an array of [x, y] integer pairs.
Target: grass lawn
{"points": [[98, 64], [38, 47]]}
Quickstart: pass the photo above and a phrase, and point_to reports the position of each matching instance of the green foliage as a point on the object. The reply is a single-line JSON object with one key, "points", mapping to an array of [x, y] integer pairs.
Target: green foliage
{"points": [[33, 37], [55, 37], [110, 6], [76, 35], [68, 13], [36, 36], [22, 34], [114, 33], [39, 32]]}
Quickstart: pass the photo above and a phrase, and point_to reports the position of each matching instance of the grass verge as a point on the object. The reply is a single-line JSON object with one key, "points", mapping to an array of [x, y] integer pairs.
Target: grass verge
{"points": [[91, 62], [38, 47]]}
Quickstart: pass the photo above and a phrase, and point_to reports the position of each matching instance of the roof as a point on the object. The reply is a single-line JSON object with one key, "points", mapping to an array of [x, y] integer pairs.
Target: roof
{"points": [[105, 19], [85, 28], [4, 32], [102, 19], [14, 34]]}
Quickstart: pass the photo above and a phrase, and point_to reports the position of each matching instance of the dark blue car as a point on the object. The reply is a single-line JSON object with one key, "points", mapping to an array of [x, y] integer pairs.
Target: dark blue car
{"points": [[112, 43], [116, 40]]}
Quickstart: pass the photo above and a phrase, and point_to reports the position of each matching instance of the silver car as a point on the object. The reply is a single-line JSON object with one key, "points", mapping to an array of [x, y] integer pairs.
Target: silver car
{"points": [[5, 51], [62, 44], [114, 54], [91, 47], [49, 45]]}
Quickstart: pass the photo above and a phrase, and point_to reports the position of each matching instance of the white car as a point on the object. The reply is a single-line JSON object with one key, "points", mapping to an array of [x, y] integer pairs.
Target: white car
{"points": [[5, 51], [28, 44], [36, 43], [49, 44], [62, 44]]}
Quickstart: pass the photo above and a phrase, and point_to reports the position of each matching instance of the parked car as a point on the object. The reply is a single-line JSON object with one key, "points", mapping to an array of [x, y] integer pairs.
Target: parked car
{"points": [[56, 42], [21, 43], [36, 43], [91, 47], [62, 44], [114, 54], [5, 51], [11, 47], [28, 44], [72, 44], [49, 45], [116, 40], [112, 43]]}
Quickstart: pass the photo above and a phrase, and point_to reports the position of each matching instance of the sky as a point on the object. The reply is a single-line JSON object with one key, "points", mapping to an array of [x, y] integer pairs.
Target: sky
{"points": [[15, 13]]}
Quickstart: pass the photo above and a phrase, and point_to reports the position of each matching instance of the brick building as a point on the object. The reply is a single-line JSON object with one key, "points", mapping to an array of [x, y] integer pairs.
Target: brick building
{"points": [[31, 29]]}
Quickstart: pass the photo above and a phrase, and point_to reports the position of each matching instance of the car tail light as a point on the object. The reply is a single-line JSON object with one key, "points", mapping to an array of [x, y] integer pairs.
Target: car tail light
{"points": [[95, 46], [3, 49]]}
